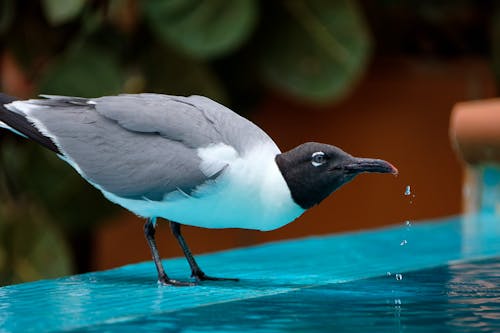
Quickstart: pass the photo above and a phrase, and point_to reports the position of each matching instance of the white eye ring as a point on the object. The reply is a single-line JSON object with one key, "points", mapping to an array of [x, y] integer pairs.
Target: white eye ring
{"points": [[318, 158]]}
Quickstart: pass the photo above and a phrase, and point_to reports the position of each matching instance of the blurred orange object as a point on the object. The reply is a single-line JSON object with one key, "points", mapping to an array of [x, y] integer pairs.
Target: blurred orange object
{"points": [[12, 78], [475, 130]]}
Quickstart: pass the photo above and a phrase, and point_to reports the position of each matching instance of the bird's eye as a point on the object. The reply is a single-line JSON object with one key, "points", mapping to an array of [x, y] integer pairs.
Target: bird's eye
{"points": [[318, 158]]}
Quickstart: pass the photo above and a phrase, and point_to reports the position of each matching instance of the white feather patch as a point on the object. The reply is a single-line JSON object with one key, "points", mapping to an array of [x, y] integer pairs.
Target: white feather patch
{"points": [[24, 107], [216, 157]]}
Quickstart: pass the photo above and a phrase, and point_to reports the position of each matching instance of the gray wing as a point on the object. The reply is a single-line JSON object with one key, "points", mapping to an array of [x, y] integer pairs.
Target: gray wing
{"points": [[195, 120], [136, 145]]}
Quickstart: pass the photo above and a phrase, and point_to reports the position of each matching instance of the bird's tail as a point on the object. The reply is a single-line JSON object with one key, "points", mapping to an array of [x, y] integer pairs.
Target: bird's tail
{"points": [[5, 99], [18, 124]]}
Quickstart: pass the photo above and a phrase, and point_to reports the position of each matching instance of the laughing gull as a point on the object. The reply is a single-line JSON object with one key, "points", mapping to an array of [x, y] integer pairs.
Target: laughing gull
{"points": [[189, 160]]}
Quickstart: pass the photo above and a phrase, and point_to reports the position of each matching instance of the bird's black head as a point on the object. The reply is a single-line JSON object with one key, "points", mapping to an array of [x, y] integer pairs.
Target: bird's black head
{"points": [[313, 171]]}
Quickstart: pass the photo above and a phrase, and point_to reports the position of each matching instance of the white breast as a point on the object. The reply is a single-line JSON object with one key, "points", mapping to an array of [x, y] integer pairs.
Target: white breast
{"points": [[251, 193]]}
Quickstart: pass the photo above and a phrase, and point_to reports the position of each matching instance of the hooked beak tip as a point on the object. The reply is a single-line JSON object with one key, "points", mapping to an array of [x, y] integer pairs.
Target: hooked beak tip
{"points": [[372, 165], [394, 170]]}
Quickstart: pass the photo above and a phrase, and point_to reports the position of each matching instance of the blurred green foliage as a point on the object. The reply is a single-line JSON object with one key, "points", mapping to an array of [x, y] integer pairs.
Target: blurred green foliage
{"points": [[312, 49], [232, 51], [202, 29], [317, 49], [96, 70], [31, 247], [59, 12]]}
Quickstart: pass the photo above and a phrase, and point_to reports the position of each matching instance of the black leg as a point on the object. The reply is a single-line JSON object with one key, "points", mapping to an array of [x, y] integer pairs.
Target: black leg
{"points": [[196, 271], [149, 231]]}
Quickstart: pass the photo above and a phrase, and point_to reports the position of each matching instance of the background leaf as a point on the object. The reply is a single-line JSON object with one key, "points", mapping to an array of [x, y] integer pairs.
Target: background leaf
{"points": [[179, 75], [31, 247], [84, 71], [202, 29], [55, 184], [62, 11], [317, 49]]}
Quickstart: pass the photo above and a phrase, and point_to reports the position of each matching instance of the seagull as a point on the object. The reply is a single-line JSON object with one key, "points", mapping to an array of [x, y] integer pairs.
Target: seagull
{"points": [[188, 160]]}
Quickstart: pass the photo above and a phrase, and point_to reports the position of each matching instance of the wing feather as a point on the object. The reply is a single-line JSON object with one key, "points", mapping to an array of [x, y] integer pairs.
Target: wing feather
{"points": [[130, 164], [142, 145]]}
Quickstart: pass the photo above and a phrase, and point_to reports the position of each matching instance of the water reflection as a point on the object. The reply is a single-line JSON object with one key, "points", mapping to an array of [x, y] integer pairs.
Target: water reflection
{"points": [[475, 291]]}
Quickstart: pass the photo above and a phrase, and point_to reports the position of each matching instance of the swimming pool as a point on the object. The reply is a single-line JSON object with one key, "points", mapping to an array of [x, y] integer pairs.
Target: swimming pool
{"points": [[449, 282]]}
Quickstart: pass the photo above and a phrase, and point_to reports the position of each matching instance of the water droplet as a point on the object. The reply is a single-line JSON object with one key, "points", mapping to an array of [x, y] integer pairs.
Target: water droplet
{"points": [[399, 277], [388, 274], [408, 190], [403, 242]]}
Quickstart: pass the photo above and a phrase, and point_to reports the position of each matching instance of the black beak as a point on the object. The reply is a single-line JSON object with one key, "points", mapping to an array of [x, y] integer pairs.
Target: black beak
{"points": [[360, 165]]}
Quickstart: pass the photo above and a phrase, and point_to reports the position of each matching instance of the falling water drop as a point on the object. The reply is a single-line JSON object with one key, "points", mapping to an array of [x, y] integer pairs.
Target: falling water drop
{"points": [[399, 277], [408, 190]]}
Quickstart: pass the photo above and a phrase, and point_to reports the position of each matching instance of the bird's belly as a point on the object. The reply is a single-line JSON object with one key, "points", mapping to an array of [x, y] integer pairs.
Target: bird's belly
{"points": [[230, 210]]}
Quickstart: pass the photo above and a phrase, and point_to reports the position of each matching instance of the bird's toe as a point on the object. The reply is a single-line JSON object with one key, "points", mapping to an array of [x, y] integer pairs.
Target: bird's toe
{"points": [[175, 283]]}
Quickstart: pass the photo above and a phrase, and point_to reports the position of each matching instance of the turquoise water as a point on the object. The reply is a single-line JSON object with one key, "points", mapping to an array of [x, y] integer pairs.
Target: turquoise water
{"points": [[461, 297], [450, 283]]}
